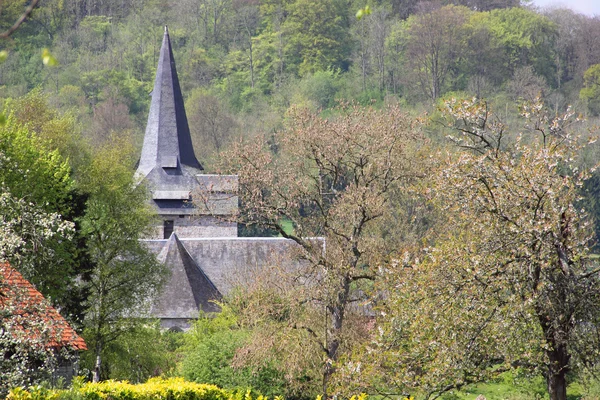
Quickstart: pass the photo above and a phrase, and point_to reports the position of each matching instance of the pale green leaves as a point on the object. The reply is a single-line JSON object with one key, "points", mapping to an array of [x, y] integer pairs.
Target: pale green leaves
{"points": [[363, 12], [48, 59]]}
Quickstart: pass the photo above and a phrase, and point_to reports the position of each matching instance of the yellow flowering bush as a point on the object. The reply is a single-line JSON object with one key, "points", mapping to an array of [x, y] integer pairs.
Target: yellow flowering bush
{"points": [[154, 389]]}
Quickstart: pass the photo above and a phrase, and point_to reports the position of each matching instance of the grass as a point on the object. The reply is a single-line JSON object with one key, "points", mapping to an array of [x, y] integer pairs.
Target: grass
{"points": [[509, 387], [287, 226]]}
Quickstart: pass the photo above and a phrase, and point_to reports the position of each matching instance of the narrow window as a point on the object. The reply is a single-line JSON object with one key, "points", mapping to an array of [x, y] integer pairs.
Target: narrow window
{"points": [[168, 229]]}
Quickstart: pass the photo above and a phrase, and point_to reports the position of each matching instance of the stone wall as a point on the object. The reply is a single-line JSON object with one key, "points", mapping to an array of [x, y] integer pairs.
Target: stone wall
{"points": [[191, 226]]}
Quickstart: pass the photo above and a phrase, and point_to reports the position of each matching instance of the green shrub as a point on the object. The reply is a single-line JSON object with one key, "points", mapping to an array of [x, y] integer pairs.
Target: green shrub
{"points": [[144, 351], [209, 352]]}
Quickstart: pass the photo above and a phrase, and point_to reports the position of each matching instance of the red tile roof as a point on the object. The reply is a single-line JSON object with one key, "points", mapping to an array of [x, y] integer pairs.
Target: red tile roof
{"points": [[21, 294]]}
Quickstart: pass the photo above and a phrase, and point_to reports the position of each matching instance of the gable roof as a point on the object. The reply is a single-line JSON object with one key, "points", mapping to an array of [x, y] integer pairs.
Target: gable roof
{"points": [[30, 305], [167, 141]]}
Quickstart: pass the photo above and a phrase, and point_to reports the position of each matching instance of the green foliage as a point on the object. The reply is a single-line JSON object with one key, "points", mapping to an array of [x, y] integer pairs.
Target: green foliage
{"points": [[209, 353], [363, 12], [36, 178], [431, 49], [33, 170], [56, 131], [524, 38], [314, 34], [61, 152], [95, 84], [508, 386], [210, 361], [48, 59], [590, 93], [319, 89], [125, 273], [141, 352]]}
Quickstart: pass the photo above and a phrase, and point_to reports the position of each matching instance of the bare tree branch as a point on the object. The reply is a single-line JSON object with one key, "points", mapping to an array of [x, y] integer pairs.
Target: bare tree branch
{"points": [[6, 34]]}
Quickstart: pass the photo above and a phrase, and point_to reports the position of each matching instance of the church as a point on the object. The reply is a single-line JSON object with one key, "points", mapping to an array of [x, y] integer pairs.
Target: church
{"points": [[196, 237]]}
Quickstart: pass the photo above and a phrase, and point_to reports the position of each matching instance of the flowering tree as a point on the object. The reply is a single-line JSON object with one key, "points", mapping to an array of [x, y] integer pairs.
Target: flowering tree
{"points": [[508, 281], [334, 179], [23, 360], [24, 232]]}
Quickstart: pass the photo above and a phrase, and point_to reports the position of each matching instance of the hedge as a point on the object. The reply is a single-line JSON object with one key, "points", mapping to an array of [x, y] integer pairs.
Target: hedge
{"points": [[154, 389]]}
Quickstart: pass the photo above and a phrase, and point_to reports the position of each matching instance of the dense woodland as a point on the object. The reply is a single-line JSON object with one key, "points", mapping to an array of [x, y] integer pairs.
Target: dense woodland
{"points": [[444, 149], [243, 63]]}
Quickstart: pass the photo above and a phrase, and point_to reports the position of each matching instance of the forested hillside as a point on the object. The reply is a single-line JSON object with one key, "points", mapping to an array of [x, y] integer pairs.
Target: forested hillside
{"points": [[243, 63], [445, 151]]}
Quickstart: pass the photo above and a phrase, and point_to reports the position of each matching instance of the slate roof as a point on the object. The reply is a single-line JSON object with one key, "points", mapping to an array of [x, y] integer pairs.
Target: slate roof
{"points": [[167, 148], [188, 289], [225, 262], [30, 305]]}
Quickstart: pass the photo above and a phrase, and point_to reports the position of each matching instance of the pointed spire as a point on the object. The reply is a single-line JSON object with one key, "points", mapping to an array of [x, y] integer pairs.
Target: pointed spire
{"points": [[167, 141]]}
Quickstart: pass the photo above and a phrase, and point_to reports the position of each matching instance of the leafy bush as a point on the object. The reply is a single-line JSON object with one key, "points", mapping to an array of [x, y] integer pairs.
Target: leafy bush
{"points": [[209, 353], [142, 352]]}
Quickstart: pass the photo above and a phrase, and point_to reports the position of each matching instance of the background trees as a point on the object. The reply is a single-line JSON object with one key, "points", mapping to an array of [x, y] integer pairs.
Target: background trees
{"points": [[590, 93], [250, 55], [209, 351], [434, 48]]}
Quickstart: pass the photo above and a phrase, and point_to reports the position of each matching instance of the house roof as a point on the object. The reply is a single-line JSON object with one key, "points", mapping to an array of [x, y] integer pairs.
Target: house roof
{"points": [[30, 305], [167, 142]]}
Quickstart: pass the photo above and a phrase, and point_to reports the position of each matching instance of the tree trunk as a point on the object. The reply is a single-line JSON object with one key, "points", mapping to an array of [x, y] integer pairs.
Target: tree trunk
{"points": [[333, 342], [330, 368], [557, 372], [251, 61], [96, 377], [557, 386]]}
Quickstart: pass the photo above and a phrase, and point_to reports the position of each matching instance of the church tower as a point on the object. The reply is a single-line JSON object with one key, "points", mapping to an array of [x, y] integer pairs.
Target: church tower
{"points": [[189, 203], [195, 238]]}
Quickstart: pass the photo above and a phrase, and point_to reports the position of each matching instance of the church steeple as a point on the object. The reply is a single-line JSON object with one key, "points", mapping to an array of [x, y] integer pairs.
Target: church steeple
{"points": [[167, 141], [168, 167]]}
